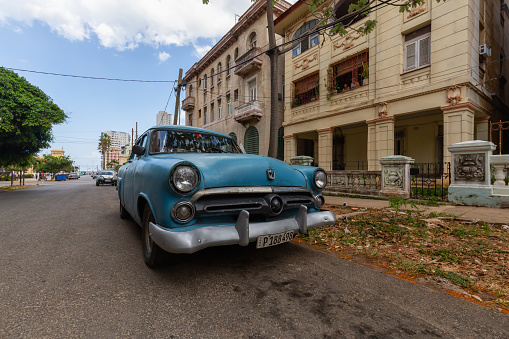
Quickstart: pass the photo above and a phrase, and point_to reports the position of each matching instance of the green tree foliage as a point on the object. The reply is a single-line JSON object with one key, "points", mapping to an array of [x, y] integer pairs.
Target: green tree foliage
{"points": [[27, 115], [52, 164], [104, 146]]}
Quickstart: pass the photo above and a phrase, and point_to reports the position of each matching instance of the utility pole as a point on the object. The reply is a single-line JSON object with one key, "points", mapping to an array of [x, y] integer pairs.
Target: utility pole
{"points": [[177, 102], [136, 130], [132, 137], [273, 54]]}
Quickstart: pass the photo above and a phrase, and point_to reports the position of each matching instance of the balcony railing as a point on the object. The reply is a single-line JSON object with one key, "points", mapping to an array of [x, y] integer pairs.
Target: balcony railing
{"points": [[188, 103], [249, 111], [248, 63]]}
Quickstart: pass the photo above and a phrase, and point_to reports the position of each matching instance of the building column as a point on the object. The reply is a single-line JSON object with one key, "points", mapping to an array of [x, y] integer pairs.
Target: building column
{"points": [[290, 147], [458, 125], [380, 141], [325, 144], [482, 128]]}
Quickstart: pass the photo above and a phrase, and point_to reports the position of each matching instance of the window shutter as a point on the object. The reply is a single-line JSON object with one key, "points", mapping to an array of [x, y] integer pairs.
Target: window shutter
{"points": [[251, 140], [234, 136], [424, 54], [410, 56]]}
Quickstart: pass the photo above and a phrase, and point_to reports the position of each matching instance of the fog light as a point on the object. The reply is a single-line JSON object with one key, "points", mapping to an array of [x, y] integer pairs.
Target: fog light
{"points": [[182, 211], [276, 204], [320, 201]]}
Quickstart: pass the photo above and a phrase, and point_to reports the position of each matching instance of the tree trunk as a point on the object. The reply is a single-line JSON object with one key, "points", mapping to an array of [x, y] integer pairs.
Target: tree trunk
{"points": [[12, 178], [274, 107]]}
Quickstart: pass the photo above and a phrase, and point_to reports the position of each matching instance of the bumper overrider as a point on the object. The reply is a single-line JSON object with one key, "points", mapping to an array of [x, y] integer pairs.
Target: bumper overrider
{"points": [[242, 233]]}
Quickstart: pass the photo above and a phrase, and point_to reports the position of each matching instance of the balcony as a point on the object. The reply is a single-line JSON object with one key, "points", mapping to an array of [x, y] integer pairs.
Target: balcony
{"points": [[245, 67], [188, 104], [248, 112]]}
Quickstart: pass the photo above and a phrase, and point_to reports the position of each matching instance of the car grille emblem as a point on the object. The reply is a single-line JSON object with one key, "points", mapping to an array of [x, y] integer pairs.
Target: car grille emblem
{"points": [[271, 174]]}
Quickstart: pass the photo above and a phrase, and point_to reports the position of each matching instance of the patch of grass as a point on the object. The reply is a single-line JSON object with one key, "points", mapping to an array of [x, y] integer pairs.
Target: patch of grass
{"points": [[443, 253]]}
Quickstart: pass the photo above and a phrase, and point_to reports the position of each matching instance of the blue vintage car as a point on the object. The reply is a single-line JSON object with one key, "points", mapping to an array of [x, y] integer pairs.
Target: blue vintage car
{"points": [[192, 188]]}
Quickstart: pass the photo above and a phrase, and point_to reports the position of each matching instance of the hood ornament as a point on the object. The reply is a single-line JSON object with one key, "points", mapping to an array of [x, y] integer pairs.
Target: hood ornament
{"points": [[271, 174]]}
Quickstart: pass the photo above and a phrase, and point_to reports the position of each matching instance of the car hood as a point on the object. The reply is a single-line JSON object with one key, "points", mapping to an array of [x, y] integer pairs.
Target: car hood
{"points": [[237, 170]]}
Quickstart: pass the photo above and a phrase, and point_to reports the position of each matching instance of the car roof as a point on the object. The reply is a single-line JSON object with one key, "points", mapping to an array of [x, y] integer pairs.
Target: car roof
{"points": [[188, 128]]}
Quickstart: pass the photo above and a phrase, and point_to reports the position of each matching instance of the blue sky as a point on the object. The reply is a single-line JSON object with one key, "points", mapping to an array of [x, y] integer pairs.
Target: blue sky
{"points": [[125, 39]]}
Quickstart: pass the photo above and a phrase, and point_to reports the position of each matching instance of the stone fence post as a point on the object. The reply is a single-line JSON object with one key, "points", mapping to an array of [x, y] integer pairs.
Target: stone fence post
{"points": [[302, 160], [396, 176], [471, 174]]}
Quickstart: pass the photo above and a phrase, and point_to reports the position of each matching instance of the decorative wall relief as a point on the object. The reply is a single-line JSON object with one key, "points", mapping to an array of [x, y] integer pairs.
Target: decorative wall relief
{"points": [[417, 10], [383, 109], [393, 177], [305, 62], [454, 95], [469, 168], [348, 42]]}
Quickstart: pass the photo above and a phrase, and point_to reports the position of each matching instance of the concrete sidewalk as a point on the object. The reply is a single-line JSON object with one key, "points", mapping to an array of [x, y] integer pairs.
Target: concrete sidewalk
{"points": [[489, 215]]}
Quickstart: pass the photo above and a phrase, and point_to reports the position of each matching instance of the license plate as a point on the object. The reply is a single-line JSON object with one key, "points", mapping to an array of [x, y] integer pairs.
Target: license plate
{"points": [[107, 180], [274, 239]]}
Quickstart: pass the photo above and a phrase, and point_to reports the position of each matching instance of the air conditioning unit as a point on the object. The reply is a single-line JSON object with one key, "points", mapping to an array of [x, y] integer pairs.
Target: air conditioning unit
{"points": [[484, 50]]}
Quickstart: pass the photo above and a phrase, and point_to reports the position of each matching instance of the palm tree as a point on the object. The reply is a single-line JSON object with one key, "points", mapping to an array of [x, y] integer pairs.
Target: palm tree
{"points": [[104, 146]]}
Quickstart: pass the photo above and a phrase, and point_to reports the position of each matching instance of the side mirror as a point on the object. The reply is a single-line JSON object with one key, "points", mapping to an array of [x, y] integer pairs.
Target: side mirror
{"points": [[138, 150]]}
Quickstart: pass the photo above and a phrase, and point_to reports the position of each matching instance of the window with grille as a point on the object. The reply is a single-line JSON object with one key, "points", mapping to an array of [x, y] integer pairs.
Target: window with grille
{"points": [[219, 109], [212, 78], [236, 95], [234, 136], [219, 74], [228, 105], [347, 74], [228, 64], [417, 49], [305, 90], [211, 112], [205, 85], [309, 41]]}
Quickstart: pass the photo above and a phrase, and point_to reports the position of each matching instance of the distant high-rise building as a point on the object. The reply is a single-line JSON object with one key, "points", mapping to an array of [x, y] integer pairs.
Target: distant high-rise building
{"points": [[118, 140], [163, 118]]}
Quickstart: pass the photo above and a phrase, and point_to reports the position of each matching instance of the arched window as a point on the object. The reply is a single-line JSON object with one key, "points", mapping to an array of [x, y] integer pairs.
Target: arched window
{"points": [[205, 79], [308, 42], [190, 93], [252, 41], [236, 54], [219, 70], [251, 140], [212, 78], [228, 64], [234, 136]]}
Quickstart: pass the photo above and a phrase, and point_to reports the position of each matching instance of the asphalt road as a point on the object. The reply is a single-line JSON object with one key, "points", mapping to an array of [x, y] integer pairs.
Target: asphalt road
{"points": [[70, 267]]}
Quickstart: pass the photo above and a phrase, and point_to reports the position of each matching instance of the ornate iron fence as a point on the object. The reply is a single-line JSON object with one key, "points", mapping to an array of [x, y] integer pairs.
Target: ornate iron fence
{"points": [[430, 181]]}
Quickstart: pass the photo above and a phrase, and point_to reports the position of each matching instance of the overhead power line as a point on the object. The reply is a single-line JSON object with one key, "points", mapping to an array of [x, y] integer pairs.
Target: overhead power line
{"points": [[87, 77]]}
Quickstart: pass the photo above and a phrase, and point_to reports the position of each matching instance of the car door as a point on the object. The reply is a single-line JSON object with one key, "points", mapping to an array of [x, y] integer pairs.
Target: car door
{"points": [[129, 183]]}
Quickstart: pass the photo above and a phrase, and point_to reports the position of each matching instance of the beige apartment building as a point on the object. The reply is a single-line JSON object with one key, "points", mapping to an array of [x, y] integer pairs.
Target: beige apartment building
{"points": [[228, 90], [421, 81]]}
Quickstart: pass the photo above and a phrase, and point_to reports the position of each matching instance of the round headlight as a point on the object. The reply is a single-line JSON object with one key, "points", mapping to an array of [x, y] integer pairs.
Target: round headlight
{"points": [[185, 178], [182, 211], [320, 179]]}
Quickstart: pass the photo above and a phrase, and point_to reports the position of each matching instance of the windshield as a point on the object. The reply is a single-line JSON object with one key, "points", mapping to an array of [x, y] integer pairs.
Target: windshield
{"points": [[169, 141], [106, 173]]}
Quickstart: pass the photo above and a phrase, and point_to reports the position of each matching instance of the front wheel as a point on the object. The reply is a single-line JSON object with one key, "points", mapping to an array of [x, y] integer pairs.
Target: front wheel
{"points": [[97, 183], [151, 252], [123, 212]]}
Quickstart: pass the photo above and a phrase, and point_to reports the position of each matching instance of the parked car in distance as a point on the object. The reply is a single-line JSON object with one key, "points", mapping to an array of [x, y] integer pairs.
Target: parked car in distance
{"points": [[191, 188], [73, 175], [106, 177]]}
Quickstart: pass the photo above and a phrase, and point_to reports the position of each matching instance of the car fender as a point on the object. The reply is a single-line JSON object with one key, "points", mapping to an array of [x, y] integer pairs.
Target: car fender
{"points": [[141, 201]]}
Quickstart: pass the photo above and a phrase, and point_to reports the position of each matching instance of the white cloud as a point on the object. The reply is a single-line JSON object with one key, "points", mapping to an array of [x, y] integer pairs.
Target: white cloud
{"points": [[200, 51], [125, 24], [163, 56]]}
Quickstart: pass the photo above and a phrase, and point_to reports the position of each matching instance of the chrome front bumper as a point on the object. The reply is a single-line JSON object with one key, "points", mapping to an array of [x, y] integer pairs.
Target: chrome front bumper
{"points": [[242, 233]]}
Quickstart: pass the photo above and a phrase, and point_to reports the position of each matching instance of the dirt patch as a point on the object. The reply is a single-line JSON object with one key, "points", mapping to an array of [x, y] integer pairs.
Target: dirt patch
{"points": [[463, 258]]}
